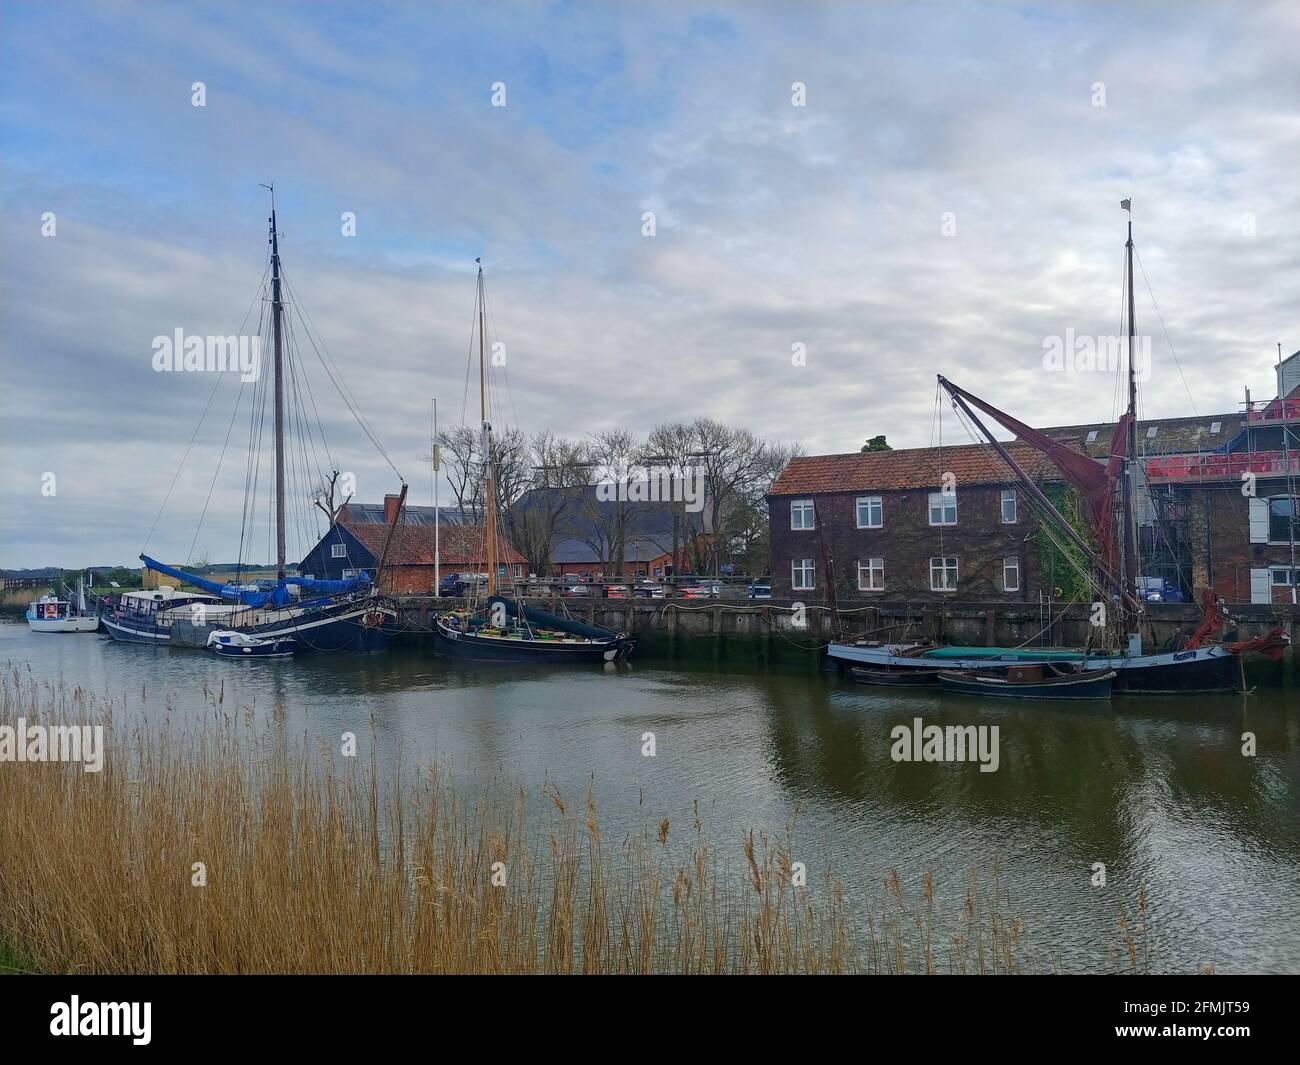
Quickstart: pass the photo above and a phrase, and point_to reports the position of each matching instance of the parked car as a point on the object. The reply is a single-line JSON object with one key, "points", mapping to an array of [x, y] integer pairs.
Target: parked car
{"points": [[460, 583], [646, 590], [760, 589], [574, 589], [704, 590], [618, 591]]}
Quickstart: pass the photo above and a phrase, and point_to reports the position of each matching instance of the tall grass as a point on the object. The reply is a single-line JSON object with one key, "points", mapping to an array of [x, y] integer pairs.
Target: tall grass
{"points": [[313, 868]]}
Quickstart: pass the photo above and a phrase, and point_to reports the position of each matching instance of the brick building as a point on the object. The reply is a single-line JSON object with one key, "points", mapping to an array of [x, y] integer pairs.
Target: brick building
{"points": [[890, 525], [357, 540], [1219, 495]]}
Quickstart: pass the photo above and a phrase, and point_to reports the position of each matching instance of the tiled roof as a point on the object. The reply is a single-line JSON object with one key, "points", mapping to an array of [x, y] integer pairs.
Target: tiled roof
{"points": [[920, 467], [459, 545]]}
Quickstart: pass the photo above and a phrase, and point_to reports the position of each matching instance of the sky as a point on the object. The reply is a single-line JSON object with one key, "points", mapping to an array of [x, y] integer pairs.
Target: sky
{"points": [[847, 200]]}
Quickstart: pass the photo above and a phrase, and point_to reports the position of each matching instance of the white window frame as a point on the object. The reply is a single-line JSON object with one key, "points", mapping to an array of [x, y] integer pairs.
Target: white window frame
{"points": [[349, 573], [943, 561], [1009, 496], [871, 567], [803, 569], [1274, 571], [1268, 516], [338, 550], [803, 507], [869, 501], [1010, 563], [942, 507]]}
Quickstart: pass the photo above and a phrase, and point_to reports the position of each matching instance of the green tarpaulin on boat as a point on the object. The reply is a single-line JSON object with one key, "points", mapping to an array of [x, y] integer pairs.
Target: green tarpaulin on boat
{"points": [[1016, 653]]}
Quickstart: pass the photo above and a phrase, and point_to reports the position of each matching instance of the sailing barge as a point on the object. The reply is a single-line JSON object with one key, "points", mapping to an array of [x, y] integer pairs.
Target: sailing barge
{"points": [[1109, 495], [290, 613], [505, 629]]}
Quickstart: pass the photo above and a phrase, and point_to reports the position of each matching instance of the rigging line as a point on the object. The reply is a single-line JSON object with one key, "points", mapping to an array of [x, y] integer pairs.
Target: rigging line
{"points": [[505, 366], [1166, 331], [158, 517], [336, 378], [217, 472]]}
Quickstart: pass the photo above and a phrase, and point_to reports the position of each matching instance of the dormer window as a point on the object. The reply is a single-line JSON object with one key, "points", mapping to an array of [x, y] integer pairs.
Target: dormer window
{"points": [[1215, 427], [1092, 436], [1151, 432]]}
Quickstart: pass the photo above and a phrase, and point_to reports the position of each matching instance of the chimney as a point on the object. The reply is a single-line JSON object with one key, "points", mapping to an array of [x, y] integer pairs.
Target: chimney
{"points": [[390, 508]]}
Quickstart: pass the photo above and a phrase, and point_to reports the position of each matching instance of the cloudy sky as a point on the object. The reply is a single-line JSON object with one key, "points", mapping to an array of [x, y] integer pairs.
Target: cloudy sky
{"points": [[945, 200]]}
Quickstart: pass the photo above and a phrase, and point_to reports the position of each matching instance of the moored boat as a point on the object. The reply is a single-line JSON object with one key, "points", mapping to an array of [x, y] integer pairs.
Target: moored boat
{"points": [[233, 644], [505, 629], [889, 677], [1030, 681], [51, 614]]}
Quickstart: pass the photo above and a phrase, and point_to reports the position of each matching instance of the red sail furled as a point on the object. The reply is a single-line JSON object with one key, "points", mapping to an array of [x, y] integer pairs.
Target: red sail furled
{"points": [[1095, 482]]}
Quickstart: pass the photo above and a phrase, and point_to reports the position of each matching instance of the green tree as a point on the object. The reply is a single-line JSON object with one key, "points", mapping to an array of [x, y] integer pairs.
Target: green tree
{"points": [[876, 443]]}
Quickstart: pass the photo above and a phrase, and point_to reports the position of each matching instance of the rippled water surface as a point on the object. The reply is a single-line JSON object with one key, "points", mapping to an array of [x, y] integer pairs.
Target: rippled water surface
{"points": [[1156, 788]]}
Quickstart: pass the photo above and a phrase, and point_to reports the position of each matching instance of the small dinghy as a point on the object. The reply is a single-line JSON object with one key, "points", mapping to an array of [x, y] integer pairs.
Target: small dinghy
{"points": [[231, 644], [895, 677], [1034, 681]]}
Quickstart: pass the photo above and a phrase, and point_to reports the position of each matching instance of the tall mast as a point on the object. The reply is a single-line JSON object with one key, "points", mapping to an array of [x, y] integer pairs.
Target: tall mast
{"points": [[277, 309], [1131, 567], [487, 443]]}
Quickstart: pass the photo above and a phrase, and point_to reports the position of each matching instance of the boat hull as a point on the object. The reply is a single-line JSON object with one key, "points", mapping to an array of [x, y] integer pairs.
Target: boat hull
{"points": [[1205, 669], [1088, 686], [491, 649], [347, 627], [895, 678], [80, 624]]}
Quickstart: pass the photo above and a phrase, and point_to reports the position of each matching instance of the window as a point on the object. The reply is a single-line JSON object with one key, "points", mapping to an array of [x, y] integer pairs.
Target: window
{"points": [[519, 570], [803, 575], [801, 514], [1092, 435], [1282, 577], [348, 573], [943, 574], [1011, 574], [870, 512], [1215, 427], [871, 574], [1009, 506], [943, 508], [1151, 431], [1284, 519], [338, 551]]}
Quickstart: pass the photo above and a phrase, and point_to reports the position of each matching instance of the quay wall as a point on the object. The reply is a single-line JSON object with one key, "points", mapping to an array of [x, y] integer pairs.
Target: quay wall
{"points": [[767, 631]]}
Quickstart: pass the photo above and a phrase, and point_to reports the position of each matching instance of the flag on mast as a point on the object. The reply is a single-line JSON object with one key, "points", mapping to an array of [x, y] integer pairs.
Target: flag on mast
{"points": [[1127, 205]]}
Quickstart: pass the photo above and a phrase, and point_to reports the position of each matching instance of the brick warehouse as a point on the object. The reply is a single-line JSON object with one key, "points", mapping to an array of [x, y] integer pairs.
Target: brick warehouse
{"points": [[1218, 506], [889, 529]]}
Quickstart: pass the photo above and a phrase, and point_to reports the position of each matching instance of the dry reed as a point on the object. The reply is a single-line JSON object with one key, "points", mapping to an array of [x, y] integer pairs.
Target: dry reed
{"points": [[315, 869]]}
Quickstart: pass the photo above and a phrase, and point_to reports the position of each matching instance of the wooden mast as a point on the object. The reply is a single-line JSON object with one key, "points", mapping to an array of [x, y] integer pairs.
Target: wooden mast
{"points": [[1131, 562], [277, 307], [486, 443]]}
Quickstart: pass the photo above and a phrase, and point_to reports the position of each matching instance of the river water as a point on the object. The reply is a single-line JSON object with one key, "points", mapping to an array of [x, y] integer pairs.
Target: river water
{"points": [[1155, 788]]}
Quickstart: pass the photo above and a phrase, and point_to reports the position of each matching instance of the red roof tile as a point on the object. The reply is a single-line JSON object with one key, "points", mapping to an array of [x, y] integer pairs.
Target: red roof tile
{"points": [[919, 467], [459, 545]]}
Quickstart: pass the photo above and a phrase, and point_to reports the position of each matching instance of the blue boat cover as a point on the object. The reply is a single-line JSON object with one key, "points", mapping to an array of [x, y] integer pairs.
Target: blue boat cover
{"points": [[275, 594]]}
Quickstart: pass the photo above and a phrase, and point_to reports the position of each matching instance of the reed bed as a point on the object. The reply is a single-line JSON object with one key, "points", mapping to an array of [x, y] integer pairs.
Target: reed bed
{"points": [[316, 863]]}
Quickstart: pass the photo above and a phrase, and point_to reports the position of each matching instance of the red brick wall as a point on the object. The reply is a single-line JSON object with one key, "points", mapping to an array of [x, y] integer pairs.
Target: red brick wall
{"points": [[1230, 554], [906, 542]]}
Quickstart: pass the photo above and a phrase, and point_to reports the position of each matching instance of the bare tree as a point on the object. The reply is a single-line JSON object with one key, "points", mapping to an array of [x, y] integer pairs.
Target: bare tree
{"points": [[673, 443], [462, 463], [324, 498], [617, 460], [559, 468]]}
